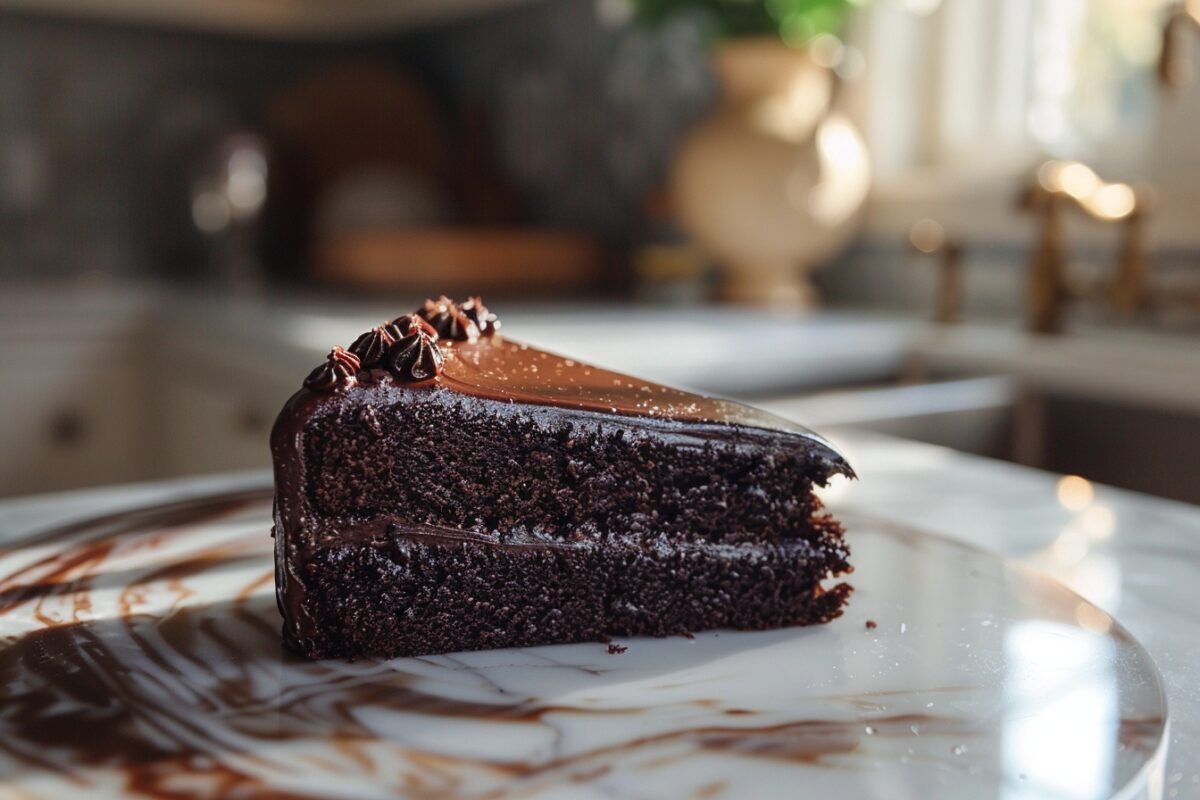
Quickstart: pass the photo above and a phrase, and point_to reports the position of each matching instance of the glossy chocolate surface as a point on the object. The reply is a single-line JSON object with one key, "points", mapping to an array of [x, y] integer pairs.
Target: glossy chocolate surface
{"points": [[503, 369]]}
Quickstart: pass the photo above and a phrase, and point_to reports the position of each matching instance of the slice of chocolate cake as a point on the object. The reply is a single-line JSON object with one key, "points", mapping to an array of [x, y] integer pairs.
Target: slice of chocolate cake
{"points": [[440, 487]]}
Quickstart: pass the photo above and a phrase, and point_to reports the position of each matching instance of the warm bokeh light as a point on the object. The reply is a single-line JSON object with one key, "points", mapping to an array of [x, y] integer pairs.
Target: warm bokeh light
{"points": [[1077, 180], [845, 173], [927, 235], [1075, 493], [1114, 201], [1070, 547], [1047, 175], [1103, 200], [826, 50], [210, 211], [1098, 522], [246, 181]]}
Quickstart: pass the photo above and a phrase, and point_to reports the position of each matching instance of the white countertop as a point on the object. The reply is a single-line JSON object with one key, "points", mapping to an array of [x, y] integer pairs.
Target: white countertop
{"points": [[717, 349], [1132, 555], [1135, 556], [742, 352]]}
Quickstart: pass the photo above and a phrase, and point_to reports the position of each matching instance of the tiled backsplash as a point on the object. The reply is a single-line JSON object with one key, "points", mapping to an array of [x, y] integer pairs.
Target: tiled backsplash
{"points": [[93, 125], [994, 278], [100, 124], [585, 112]]}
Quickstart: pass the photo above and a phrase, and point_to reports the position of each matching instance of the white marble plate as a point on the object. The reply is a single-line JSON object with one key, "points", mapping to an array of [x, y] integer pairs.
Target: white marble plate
{"points": [[141, 655]]}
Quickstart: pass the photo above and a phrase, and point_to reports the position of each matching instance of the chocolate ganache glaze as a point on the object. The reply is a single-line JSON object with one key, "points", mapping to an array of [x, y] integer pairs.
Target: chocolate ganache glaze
{"points": [[504, 369], [464, 362]]}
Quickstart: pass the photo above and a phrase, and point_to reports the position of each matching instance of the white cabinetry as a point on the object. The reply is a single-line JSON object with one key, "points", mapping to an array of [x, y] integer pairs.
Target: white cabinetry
{"points": [[115, 386], [222, 376], [72, 408], [216, 417]]}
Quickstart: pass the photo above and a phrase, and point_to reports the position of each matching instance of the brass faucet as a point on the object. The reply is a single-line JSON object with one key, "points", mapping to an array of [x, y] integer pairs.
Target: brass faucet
{"points": [[1061, 185], [929, 237], [1173, 67]]}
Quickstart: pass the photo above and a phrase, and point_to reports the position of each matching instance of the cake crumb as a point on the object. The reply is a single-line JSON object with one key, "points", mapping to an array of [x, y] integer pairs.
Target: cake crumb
{"points": [[871, 625], [616, 649]]}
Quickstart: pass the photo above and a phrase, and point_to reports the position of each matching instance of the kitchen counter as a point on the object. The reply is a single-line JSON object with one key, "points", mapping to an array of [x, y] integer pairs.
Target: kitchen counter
{"points": [[746, 353], [717, 349], [1132, 555]]}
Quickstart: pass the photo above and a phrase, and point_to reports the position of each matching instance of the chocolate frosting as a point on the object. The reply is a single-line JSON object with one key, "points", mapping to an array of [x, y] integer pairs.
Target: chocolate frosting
{"points": [[372, 346], [503, 369], [404, 324], [338, 370], [449, 320], [415, 357], [487, 322], [456, 348], [441, 345]]}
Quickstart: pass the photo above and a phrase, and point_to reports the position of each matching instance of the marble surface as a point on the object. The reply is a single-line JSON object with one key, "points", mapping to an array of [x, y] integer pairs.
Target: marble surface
{"points": [[143, 655], [976, 674]]}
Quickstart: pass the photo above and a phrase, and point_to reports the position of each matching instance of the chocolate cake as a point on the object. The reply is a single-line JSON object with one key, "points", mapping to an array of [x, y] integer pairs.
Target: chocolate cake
{"points": [[441, 487]]}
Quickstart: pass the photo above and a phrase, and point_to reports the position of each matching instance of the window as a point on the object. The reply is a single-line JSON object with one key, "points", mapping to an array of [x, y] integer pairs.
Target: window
{"points": [[961, 99]]}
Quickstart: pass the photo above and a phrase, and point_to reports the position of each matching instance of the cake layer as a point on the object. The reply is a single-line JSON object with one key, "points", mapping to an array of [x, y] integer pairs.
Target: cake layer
{"points": [[428, 456], [404, 593]]}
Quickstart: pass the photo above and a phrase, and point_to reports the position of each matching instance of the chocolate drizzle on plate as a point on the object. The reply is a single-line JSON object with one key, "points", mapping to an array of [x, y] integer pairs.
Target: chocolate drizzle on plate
{"points": [[141, 657]]}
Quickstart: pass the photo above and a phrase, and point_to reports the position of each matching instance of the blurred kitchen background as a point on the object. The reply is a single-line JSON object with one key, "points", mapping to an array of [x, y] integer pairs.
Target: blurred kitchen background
{"points": [[969, 222]]}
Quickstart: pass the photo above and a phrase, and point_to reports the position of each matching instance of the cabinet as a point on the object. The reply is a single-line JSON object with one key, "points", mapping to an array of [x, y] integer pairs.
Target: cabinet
{"points": [[221, 384], [72, 409], [207, 427], [104, 389]]}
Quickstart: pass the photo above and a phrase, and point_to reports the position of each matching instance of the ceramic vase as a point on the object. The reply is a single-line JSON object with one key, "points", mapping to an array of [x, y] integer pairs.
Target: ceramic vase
{"points": [[771, 184]]}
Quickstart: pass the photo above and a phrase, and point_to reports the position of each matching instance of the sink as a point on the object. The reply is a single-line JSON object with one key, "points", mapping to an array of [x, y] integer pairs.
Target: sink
{"points": [[974, 415], [1113, 441], [1144, 448]]}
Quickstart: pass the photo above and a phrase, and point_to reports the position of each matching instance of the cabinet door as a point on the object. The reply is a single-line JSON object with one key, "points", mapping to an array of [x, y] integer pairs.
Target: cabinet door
{"points": [[73, 401], [65, 427], [209, 428]]}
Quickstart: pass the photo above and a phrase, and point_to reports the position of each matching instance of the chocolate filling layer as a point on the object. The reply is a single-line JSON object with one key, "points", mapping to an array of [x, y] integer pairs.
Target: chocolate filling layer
{"points": [[446, 592]]}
